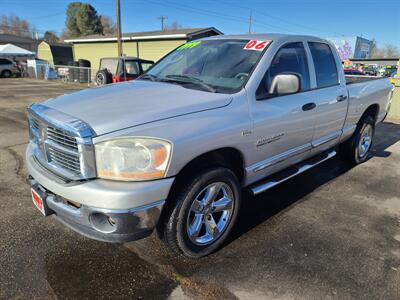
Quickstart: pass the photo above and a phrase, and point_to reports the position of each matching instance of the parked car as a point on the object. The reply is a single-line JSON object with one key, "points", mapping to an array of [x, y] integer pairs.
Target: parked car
{"points": [[118, 69], [354, 72], [8, 68], [173, 149]]}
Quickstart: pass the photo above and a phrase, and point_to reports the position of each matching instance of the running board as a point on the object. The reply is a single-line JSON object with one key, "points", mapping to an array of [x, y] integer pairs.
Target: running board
{"points": [[299, 168]]}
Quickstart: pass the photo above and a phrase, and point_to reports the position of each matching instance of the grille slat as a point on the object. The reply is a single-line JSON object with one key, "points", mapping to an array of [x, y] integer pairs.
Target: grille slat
{"points": [[58, 157], [34, 124], [62, 142], [68, 161], [62, 138]]}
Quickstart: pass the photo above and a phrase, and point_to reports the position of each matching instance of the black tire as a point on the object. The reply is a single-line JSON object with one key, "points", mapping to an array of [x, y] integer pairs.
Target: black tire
{"points": [[103, 77], [6, 74], [350, 149], [176, 223]]}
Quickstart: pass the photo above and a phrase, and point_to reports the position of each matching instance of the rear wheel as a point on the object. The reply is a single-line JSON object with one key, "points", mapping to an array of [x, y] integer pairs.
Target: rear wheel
{"points": [[204, 213], [357, 149], [103, 77], [6, 74]]}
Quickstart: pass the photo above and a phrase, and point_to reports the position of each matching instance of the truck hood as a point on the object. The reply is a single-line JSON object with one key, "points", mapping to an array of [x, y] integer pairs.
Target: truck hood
{"points": [[123, 105]]}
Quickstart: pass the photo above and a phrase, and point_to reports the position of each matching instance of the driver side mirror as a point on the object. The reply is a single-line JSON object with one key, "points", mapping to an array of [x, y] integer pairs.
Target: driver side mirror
{"points": [[284, 84]]}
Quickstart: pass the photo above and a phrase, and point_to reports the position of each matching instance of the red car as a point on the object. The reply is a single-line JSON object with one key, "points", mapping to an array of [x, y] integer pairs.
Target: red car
{"points": [[117, 69]]}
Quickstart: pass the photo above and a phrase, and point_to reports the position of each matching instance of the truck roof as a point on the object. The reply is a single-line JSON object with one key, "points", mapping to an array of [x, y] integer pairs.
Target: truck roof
{"points": [[267, 36]]}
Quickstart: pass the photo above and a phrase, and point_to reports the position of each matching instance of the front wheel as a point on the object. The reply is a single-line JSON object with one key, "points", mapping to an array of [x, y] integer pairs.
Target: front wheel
{"points": [[6, 74], [204, 213], [357, 149]]}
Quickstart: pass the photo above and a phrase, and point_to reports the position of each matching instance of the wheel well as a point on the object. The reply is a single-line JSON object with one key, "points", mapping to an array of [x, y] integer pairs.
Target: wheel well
{"points": [[224, 157], [372, 111]]}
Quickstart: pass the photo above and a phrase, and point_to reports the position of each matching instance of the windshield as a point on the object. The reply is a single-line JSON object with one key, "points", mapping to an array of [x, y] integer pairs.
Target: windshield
{"points": [[212, 65]]}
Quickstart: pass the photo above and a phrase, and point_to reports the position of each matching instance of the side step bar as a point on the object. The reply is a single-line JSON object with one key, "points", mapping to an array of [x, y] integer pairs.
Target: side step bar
{"points": [[300, 168]]}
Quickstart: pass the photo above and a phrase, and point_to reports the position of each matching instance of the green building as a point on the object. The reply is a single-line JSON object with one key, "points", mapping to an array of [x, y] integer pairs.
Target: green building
{"points": [[151, 45]]}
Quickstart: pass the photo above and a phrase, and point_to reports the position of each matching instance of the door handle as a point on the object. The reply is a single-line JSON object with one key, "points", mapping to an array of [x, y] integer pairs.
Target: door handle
{"points": [[341, 98], [309, 106]]}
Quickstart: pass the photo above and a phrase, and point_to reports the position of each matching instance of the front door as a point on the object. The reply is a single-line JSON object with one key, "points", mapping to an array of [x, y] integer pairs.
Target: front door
{"points": [[283, 124]]}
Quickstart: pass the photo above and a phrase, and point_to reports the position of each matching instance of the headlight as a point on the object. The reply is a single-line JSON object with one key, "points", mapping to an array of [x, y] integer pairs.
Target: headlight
{"points": [[132, 159]]}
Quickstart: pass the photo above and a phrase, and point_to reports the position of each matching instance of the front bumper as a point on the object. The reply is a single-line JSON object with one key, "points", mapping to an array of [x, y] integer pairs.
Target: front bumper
{"points": [[108, 211], [106, 225]]}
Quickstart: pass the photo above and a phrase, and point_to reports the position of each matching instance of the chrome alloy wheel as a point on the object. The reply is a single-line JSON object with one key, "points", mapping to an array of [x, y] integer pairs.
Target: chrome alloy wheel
{"points": [[210, 213], [365, 141]]}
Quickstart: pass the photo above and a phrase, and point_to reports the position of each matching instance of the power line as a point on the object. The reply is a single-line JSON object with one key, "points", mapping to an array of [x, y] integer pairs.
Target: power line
{"points": [[277, 18]]}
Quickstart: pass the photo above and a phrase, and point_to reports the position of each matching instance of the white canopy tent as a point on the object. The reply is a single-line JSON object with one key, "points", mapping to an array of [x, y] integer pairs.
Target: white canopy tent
{"points": [[10, 50]]}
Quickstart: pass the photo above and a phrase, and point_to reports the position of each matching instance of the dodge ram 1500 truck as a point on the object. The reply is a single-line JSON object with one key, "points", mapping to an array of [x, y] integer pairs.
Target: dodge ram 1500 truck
{"points": [[173, 149]]}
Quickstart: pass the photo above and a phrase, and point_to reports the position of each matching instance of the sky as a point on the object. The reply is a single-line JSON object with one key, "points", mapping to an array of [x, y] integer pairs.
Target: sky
{"points": [[379, 19]]}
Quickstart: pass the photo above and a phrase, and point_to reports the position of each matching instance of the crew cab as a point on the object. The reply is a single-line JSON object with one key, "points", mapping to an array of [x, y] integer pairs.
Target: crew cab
{"points": [[173, 149]]}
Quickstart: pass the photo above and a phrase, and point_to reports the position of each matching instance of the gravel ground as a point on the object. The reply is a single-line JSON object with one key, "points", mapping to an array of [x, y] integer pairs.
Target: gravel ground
{"points": [[332, 233]]}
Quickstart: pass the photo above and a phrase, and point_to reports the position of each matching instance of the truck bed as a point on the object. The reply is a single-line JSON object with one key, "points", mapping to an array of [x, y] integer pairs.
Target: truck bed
{"points": [[351, 79]]}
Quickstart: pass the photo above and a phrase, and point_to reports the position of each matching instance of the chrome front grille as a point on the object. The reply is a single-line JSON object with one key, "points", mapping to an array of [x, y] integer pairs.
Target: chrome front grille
{"points": [[62, 143], [62, 138], [65, 160]]}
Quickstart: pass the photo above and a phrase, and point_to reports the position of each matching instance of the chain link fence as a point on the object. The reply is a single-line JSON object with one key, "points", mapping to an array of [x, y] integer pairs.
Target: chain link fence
{"points": [[74, 74]]}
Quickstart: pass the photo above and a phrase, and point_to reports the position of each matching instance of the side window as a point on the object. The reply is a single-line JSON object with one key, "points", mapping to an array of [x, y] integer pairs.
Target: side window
{"points": [[291, 58], [4, 62], [131, 67], [324, 63]]}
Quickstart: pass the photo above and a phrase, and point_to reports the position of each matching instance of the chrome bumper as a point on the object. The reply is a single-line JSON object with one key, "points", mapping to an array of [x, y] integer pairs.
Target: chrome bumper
{"points": [[106, 225], [104, 210]]}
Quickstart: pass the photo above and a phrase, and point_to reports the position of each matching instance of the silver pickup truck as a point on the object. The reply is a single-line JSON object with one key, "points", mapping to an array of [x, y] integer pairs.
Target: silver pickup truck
{"points": [[174, 149]]}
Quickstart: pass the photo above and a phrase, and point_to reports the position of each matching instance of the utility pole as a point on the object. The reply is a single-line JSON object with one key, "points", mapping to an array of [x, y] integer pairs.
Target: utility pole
{"points": [[162, 18], [250, 20], [119, 29]]}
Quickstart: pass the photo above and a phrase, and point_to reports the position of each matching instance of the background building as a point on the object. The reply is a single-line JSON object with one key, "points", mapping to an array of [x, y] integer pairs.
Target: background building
{"points": [[352, 47], [55, 53], [151, 45], [23, 42]]}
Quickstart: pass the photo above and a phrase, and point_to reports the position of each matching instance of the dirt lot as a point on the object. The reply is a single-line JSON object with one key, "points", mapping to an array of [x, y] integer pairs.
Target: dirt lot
{"points": [[332, 233]]}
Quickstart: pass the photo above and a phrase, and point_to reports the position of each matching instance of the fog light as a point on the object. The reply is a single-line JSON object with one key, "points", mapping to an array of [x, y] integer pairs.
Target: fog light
{"points": [[103, 223]]}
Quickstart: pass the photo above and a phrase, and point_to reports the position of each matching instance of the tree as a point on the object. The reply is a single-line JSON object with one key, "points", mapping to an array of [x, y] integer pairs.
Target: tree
{"points": [[16, 26], [388, 51], [88, 21], [70, 23], [51, 37], [391, 51], [109, 27], [82, 19]]}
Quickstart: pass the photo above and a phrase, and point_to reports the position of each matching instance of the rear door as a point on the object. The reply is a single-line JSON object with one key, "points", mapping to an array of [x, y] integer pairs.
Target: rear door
{"points": [[283, 125], [331, 99]]}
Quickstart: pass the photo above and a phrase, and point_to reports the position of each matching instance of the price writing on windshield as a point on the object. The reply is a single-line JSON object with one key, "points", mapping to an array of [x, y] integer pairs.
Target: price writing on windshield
{"points": [[256, 45]]}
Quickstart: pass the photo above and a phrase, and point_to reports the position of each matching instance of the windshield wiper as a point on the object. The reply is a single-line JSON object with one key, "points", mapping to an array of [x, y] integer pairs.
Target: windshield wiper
{"points": [[190, 79], [148, 76]]}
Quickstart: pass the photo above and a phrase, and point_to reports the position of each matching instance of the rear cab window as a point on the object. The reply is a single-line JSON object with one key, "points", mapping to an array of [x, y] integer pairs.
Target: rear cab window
{"points": [[324, 64]]}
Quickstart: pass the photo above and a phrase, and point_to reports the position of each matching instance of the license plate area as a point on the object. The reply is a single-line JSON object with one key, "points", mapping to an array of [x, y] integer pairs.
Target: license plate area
{"points": [[39, 200]]}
